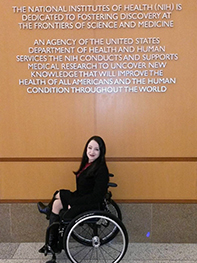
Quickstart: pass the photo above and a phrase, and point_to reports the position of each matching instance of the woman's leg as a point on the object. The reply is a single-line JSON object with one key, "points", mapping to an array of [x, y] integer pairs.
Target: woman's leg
{"points": [[46, 209], [57, 204], [54, 218]]}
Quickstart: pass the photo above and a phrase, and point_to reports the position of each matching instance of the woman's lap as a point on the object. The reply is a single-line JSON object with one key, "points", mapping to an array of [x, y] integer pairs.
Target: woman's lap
{"points": [[65, 196]]}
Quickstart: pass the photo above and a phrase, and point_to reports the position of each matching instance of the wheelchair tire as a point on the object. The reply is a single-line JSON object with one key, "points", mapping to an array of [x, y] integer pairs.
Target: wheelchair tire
{"points": [[98, 245]]}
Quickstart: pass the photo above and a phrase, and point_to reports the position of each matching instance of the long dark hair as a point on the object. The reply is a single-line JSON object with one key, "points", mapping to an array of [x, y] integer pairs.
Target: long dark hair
{"points": [[99, 160]]}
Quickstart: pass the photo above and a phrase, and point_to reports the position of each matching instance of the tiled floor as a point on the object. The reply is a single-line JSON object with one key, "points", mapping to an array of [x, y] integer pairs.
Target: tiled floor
{"points": [[137, 253]]}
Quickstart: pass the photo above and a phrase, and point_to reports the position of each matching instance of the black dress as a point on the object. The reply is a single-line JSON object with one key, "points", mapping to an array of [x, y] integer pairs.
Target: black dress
{"points": [[91, 189]]}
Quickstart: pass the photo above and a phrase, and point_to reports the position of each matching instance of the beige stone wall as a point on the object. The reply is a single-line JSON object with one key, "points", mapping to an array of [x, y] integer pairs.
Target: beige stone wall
{"points": [[163, 223]]}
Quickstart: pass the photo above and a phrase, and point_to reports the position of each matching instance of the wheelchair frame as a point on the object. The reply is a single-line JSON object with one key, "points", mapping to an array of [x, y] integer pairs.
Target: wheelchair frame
{"points": [[93, 236]]}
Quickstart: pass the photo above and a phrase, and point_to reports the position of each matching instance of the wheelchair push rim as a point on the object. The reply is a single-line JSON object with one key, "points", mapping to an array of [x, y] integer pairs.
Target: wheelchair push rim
{"points": [[98, 248]]}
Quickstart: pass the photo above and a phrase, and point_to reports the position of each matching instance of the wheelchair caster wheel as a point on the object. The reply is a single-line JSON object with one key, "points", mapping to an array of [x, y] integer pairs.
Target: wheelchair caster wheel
{"points": [[53, 260]]}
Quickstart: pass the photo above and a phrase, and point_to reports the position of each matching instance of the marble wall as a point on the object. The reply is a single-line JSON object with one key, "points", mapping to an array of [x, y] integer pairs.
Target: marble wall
{"points": [[152, 223]]}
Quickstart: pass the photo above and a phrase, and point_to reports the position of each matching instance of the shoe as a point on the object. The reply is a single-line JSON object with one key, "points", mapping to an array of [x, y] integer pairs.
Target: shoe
{"points": [[42, 249], [47, 249], [44, 209]]}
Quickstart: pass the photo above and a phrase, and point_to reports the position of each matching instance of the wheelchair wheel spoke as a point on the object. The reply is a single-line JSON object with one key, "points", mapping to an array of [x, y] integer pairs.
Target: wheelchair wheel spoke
{"points": [[85, 255], [111, 250], [103, 256]]}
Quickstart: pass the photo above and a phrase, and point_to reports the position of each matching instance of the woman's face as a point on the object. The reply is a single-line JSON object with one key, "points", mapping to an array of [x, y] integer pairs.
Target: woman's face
{"points": [[93, 151]]}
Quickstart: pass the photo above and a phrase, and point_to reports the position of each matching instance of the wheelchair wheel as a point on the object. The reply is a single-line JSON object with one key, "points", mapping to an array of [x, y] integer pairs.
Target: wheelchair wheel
{"points": [[98, 245], [81, 232]]}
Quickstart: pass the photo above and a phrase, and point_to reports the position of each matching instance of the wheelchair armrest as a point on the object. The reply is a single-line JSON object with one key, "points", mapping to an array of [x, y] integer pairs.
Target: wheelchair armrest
{"points": [[111, 175], [112, 184]]}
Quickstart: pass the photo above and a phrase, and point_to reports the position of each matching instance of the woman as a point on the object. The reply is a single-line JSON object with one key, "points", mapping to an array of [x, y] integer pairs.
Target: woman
{"points": [[91, 182]]}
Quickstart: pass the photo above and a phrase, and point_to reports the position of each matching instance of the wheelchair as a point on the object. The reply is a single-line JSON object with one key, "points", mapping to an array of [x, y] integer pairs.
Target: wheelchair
{"points": [[92, 236]]}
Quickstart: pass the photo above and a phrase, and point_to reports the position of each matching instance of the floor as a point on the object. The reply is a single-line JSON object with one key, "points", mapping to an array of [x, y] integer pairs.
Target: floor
{"points": [[136, 253]]}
